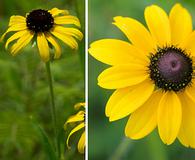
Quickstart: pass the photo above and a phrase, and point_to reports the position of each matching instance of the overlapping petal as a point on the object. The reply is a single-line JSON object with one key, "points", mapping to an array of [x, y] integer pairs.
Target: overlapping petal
{"points": [[21, 42], [77, 128], [121, 105], [53, 41], [76, 118], [69, 32], [188, 44], [136, 33], [158, 24], [67, 20], [15, 36], [70, 41], [187, 130], [17, 20], [122, 76], [116, 52], [81, 144], [144, 119], [181, 24], [56, 12], [169, 117], [43, 47]]}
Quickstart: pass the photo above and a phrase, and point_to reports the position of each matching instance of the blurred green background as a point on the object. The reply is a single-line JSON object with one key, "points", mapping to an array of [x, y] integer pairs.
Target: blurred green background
{"points": [[24, 92], [105, 138]]}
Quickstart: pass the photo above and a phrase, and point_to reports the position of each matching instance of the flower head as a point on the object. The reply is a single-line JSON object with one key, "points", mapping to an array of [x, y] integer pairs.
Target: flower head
{"points": [[153, 75], [44, 26], [78, 118]]}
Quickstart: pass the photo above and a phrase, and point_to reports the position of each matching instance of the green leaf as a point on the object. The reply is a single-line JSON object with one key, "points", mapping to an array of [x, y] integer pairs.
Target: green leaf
{"points": [[49, 149]]}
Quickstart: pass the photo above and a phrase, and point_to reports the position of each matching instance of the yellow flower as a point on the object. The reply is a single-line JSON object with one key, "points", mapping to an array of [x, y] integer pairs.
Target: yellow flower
{"points": [[152, 75], [44, 26], [80, 119]]}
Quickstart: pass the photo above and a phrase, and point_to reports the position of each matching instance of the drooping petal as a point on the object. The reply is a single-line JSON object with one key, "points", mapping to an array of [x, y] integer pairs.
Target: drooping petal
{"points": [[116, 52], [22, 42], [67, 20], [69, 32], [136, 33], [158, 24], [169, 117], [70, 41], [76, 118], [77, 128], [17, 20], [127, 103], [16, 27], [79, 105], [81, 143], [15, 36], [121, 76], [43, 47], [144, 119], [187, 130], [56, 12], [181, 24], [57, 47]]}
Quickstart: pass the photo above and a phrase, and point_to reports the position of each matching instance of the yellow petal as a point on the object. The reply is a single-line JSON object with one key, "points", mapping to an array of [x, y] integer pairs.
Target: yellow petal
{"points": [[188, 44], [21, 42], [115, 98], [57, 47], [115, 52], [190, 91], [122, 76], [136, 33], [43, 47], [15, 36], [181, 24], [81, 143], [56, 11], [144, 119], [158, 23], [132, 100], [69, 32], [76, 118], [16, 27], [187, 130], [79, 105], [67, 20], [78, 127], [169, 117], [16, 20], [70, 41]]}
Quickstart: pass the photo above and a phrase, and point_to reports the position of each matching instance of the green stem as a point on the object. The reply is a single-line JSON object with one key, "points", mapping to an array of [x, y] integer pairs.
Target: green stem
{"points": [[53, 109], [122, 149]]}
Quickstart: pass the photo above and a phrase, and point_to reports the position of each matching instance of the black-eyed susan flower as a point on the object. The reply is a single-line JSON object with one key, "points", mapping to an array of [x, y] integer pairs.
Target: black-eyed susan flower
{"points": [[152, 75], [78, 118], [44, 26]]}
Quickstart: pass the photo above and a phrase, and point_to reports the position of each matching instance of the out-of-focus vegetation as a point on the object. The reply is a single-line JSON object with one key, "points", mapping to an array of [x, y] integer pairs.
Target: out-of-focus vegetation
{"points": [[24, 93], [105, 138]]}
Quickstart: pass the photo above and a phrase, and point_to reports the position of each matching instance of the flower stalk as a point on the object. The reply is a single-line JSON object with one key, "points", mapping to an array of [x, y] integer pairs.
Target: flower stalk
{"points": [[53, 109]]}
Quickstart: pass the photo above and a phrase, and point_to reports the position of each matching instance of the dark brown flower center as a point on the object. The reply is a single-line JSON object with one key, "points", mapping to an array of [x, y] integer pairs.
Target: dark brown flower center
{"points": [[39, 20], [171, 68]]}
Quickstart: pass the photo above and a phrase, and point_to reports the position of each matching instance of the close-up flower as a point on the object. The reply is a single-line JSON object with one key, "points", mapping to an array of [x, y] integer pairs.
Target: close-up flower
{"points": [[43, 26], [152, 75], [79, 120]]}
